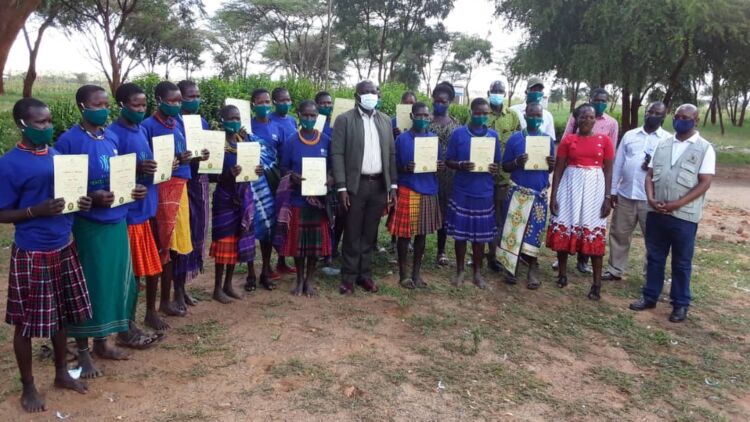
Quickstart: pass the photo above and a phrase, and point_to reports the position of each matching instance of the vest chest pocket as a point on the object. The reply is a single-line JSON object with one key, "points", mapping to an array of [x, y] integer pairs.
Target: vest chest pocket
{"points": [[690, 165], [686, 179]]}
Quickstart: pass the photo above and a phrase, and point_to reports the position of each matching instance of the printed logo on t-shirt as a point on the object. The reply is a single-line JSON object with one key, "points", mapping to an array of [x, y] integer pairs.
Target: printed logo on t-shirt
{"points": [[323, 152], [104, 162]]}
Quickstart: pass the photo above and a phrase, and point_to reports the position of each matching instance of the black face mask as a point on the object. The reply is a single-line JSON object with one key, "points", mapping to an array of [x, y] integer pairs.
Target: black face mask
{"points": [[653, 122]]}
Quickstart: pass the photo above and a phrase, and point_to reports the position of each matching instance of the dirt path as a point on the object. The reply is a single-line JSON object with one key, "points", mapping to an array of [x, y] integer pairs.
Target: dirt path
{"points": [[727, 215]]}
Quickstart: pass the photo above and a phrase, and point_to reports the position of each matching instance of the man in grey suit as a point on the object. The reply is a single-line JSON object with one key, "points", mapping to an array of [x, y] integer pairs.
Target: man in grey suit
{"points": [[364, 169]]}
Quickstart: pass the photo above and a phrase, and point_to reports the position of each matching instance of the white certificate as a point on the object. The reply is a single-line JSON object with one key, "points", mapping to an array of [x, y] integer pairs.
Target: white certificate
{"points": [[320, 122], [71, 179], [315, 174], [537, 148], [122, 178], [245, 111], [341, 105], [482, 153], [248, 157], [425, 154], [403, 116], [193, 129], [164, 157], [213, 141]]}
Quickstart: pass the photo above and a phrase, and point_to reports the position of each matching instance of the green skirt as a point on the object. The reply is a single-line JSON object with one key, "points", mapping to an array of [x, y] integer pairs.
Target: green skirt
{"points": [[104, 251]]}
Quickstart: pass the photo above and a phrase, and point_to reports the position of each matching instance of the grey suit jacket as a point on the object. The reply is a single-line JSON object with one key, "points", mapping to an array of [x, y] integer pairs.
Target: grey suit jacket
{"points": [[348, 148]]}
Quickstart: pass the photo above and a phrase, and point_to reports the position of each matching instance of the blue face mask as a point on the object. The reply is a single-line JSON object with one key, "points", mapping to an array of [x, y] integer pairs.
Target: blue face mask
{"points": [[497, 99], [683, 126], [439, 109], [534, 97]]}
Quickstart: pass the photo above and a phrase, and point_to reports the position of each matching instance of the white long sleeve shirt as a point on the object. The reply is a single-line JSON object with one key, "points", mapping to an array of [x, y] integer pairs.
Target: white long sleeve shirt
{"points": [[628, 176]]}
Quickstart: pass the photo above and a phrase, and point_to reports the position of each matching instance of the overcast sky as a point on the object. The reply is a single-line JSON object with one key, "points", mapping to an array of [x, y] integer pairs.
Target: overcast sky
{"points": [[62, 55]]}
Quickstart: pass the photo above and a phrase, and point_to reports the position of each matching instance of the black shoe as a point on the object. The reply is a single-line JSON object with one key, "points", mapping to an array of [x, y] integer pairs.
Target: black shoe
{"points": [[642, 304], [679, 313], [608, 276]]}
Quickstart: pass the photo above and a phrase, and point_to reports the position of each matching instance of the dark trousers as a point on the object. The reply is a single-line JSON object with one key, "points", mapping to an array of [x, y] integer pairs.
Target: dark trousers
{"points": [[361, 229], [665, 232]]}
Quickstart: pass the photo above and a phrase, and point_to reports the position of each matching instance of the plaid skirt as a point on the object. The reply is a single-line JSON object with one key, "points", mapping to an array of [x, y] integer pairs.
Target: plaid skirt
{"points": [[471, 218], [46, 291], [146, 261], [224, 251], [308, 233], [415, 214]]}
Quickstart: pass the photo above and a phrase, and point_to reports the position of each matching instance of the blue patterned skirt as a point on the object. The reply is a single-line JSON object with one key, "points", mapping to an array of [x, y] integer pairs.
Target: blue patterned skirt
{"points": [[471, 218]]}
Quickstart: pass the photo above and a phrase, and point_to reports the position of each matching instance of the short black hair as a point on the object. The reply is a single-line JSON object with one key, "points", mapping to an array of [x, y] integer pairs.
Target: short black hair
{"points": [[84, 92], [226, 109], [445, 87], [597, 91], [163, 88], [277, 91], [125, 91], [577, 111], [322, 94], [307, 103], [416, 106], [256, 93], [22, 108], [408, 94], [534, 104], [479, 101], [185, 84]]}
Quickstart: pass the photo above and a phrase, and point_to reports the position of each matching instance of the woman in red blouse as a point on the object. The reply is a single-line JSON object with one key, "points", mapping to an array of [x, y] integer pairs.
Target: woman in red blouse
{"points": [[579, 202]]}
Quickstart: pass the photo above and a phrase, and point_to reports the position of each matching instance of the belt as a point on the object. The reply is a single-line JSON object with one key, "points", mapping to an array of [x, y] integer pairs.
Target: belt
{"points": [[377, 177]]}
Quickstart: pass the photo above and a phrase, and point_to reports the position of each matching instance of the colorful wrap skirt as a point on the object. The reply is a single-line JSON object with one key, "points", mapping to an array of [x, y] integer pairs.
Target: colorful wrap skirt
{"points": [[524, 217], [187, 267], [173, 219], [145, 256], [415, 214]]}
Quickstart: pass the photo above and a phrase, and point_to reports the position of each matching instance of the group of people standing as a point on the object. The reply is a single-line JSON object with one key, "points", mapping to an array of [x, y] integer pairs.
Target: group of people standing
{"points": [[87, 286]]}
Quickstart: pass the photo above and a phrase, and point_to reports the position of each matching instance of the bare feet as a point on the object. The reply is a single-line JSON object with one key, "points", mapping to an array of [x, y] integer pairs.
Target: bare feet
{"points": [[419, 282], [221, 297], [309, 289], [88, 370], [104, 351], [171, 309], [479, 281], [458, 279], [64, 380], [298, 289], [229, 290], [31, 401], [152, 320], [191, 301]]}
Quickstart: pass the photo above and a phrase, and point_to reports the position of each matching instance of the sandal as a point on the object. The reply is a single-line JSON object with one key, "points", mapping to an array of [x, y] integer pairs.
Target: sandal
{"points": [[562, 281], [138, 340], [407, 283], [442, 260], [595, 292], [250, 284]]}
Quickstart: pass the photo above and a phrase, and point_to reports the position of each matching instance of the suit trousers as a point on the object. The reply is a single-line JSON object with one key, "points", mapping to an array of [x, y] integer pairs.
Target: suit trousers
{"points": [[361, 229]]}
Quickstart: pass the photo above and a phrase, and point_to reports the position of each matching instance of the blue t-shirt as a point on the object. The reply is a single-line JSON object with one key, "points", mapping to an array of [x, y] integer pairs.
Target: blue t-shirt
{"points": [[424, 183], [156, 128], [135, 140], [270, 133], [294, 150], [26, 180], [537, 180], [394, 123], [459, 149], [287, 125], [327, 130], [76, 141]]}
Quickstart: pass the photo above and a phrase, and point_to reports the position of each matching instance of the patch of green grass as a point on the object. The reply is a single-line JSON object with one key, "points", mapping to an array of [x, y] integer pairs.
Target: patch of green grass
{"points": [[404, 297], [204, 337], [732, 158], [625, 383], [430, 323], [297, 367], [184, 416], [199, 293], [468, 343]]}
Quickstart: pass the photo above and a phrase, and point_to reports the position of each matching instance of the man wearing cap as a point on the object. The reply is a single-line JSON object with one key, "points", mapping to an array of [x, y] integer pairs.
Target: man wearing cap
{"points": [[535, 94]]}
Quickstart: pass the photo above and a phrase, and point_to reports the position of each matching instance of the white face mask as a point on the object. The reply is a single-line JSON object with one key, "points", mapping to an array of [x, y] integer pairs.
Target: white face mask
{"points": [[368, 101]]}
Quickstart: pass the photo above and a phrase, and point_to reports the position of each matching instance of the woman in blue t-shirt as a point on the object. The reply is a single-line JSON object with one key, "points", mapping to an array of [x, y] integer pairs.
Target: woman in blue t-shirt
{"points": [[471, 208]]}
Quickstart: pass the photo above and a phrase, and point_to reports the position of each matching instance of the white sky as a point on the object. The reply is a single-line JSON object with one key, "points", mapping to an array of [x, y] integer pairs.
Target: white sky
{"points": [[61, 55]]}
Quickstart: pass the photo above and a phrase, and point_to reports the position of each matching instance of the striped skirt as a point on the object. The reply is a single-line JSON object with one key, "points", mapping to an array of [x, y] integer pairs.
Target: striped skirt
{"points": [[224, 251], [145, 256], [579, 227], [471, 218], [265, 216], [308, 233], [46, 291], [415, 214], [170, 196]]}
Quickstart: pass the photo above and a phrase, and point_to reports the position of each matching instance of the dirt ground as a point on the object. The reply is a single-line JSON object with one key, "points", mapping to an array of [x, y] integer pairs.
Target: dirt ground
{"points": [[440, 354]]}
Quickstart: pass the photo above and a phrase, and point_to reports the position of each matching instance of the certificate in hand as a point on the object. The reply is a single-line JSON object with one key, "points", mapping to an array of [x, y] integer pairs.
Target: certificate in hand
{"points": [[122, 178], [482, 153], [320, 122], [245, 111], [537, 148], [164, 157], [193, 129], [425, 154], [403, 116], [71, 179], [213, 141], [248, 157], [315, 174], [341, 105]]}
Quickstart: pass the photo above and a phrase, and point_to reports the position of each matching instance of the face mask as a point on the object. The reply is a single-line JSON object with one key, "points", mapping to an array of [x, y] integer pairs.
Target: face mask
{"points": [[191, 107], [420, 124], [599, 108], [496, 99], [96, 117], [377, 106], [683, 126], [307, 124], [653, 122], [439, 109], [169, 109], [326, 111], [479, 120], [38, 136], [533, 123], [262, 110], [534, 97], [283, 108], [368, 101], [132, 116], [231, 126]]}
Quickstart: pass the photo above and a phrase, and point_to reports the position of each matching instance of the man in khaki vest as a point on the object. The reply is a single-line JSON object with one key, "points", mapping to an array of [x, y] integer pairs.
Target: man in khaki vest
{"points": [[679, 175]]}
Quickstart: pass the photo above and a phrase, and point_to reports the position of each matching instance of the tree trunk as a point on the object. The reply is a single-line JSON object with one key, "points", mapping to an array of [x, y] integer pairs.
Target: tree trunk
{"points": [[625, 117], [674, 76], [574, 95], [635, 110], [13, 15], [745, 102], [714, 105], [721, 119]]}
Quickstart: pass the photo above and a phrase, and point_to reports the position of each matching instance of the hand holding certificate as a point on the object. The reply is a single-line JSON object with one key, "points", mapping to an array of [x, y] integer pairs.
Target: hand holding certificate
{"points": [[537, 150], [341, 105], [164, 157], [482, 153], [403, 116], [314, 175], [71, 179], [213, 141], [425, 154], [193, 128], [122, 178], [248, 157]]}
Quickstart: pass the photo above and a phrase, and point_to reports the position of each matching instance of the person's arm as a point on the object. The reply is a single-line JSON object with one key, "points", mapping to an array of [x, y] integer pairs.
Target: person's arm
{"points": [[560, 165], [338, 152], [616, 173], [509, 155], [607, 204]]}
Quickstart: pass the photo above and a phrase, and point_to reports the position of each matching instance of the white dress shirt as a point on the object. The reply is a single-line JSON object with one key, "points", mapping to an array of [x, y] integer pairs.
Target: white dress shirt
{"points": [[548, 124], [708, 166], [372, 160], [628, 177]]}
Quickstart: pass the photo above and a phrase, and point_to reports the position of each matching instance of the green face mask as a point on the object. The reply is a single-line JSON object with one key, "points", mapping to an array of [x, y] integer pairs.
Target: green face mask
{"points": [[326, 111], [283, 108], [307, 124], [420, 124], [191, 107], [479, 120], [39, 136], [169, 109], [231, 126], [132, 116], [262, 110], [534, 97], [96, 117], [599, 108], [534, 123]]}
